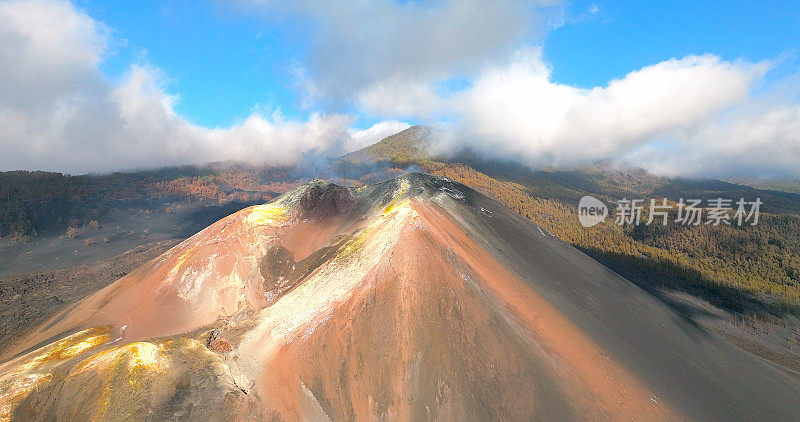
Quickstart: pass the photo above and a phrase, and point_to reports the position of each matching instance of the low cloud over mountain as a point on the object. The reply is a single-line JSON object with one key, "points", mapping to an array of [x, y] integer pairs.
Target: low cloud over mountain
{"points": [[383, 64]]}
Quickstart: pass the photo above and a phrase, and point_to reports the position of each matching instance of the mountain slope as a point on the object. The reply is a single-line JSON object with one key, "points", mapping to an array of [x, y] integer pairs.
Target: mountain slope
{"points": [[414, 298], [407, 146], [751, 271]]}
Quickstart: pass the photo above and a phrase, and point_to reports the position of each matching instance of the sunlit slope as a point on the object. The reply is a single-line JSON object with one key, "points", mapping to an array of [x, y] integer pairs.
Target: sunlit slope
{"points": [[416, 298]]}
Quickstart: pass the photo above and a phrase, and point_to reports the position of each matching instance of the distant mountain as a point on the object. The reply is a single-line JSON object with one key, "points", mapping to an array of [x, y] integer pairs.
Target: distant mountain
{"points": [[407, 146], [783, 184], [416, 298]]}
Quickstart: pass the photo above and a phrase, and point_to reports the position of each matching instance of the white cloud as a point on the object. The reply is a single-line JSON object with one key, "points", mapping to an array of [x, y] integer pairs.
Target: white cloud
{"points": [[57, 112], [38, 37], [697, 116], [690, 116], [399, 97], [386, 56], [758, 138]]}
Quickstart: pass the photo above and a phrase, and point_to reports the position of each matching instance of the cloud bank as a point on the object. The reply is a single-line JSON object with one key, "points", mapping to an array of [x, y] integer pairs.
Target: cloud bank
{"points": [[388, 56], [467, 64], [694, 116], [57, 112], [697, 115]]}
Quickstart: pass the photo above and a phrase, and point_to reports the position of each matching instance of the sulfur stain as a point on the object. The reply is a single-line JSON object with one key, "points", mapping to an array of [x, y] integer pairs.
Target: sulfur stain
{"points": [[63, 349], [134, 355], [353, 245], [126, 372], [182, 260], [396, 203], [266, 215], [35, 368]]}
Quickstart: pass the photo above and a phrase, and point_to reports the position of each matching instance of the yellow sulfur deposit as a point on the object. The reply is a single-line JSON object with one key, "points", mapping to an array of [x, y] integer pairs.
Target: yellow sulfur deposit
{"points": [[134, 355], [396, 202], [66, 348], [181, 261], [267, 214], [37, 366], [353, 245], [143, 355]]}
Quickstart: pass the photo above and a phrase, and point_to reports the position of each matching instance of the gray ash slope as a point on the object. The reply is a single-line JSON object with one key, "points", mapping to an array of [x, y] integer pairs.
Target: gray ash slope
{"points": [[698, 372]]}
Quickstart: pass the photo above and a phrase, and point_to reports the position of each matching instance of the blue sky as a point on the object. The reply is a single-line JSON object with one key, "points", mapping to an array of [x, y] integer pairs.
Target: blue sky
{"points": [[623, 36], [680, 88], [223, 62]]}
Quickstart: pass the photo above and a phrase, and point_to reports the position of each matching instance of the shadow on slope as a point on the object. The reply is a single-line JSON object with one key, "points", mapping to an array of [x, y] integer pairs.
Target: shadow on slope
{"points": [[655, 276]]}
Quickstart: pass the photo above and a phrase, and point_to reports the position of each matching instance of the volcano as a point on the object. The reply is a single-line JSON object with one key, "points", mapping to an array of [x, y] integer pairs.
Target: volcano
{"points": [[415, 298]]}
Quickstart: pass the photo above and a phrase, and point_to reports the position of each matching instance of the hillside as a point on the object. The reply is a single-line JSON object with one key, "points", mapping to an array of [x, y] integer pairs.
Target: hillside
{"points": [[416, 298], [40, 202], [404, 147], [752, 270], [27, 300]]}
